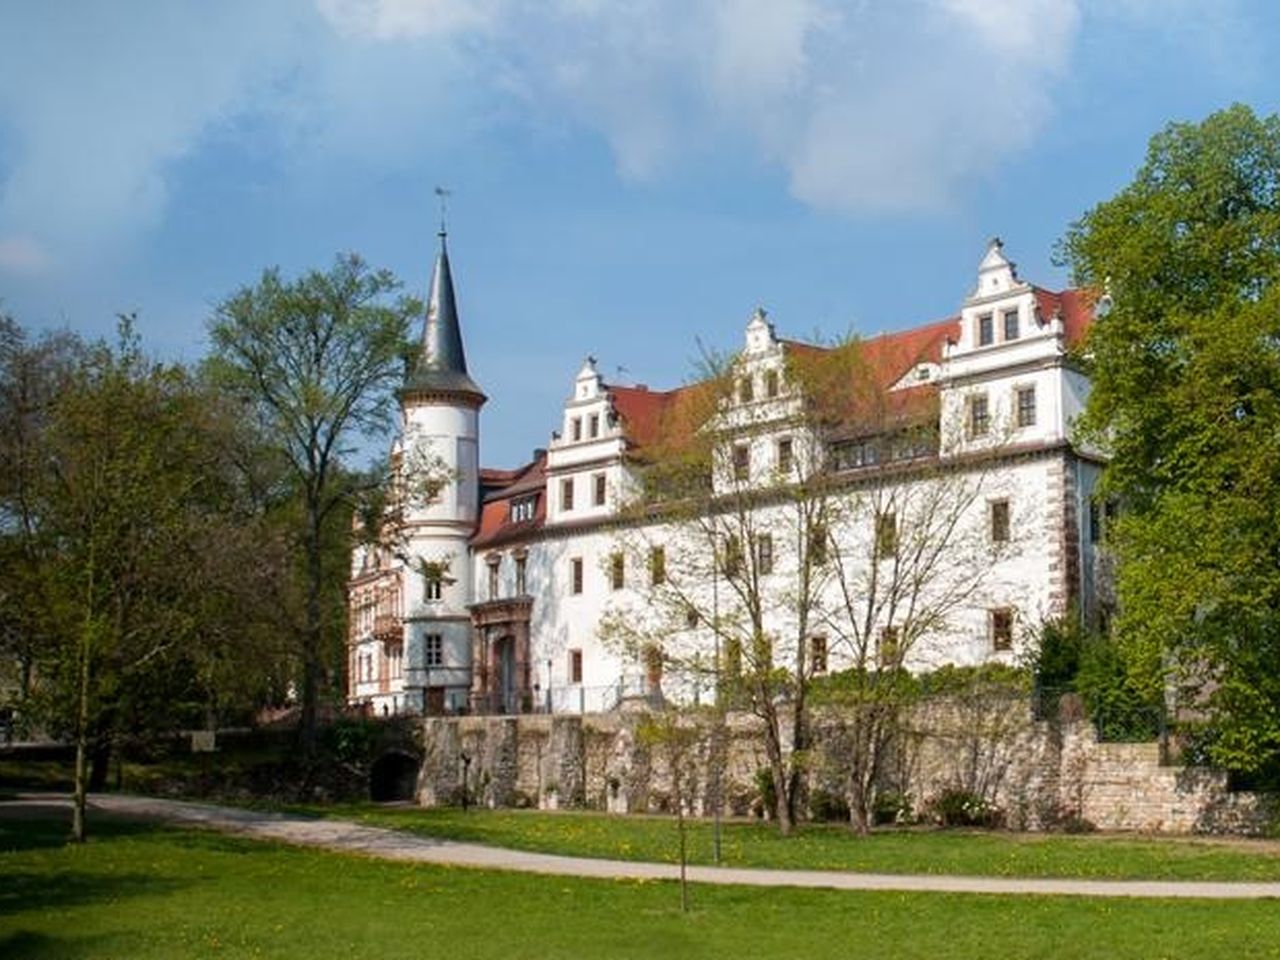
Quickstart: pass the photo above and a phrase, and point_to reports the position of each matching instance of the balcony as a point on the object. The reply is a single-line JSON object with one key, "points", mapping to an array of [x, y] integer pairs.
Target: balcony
{"points": [[387, 627]]}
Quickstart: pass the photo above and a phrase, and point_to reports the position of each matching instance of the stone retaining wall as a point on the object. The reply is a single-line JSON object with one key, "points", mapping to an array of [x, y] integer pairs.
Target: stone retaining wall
{"points": [[1040, 774]]}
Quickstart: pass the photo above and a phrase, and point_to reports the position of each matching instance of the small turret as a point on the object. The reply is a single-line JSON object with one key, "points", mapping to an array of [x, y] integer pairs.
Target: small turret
{"points": [[441, 364]]}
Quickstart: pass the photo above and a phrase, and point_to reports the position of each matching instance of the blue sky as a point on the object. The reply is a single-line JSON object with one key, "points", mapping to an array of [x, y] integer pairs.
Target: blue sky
{"points": [[628, 177]]}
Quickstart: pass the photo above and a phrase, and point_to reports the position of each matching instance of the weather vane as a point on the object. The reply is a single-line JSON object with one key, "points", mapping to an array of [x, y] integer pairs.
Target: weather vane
{"points": [[443, 194]]}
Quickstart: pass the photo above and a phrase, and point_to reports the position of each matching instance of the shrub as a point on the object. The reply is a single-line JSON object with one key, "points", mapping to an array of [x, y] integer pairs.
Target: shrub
{"points": [[891, 807], [827, 807], [964, 808], [764, 789]]}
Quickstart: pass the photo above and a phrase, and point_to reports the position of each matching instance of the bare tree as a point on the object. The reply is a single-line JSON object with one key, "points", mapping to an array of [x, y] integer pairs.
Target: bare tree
{"points": [[803, 515]]}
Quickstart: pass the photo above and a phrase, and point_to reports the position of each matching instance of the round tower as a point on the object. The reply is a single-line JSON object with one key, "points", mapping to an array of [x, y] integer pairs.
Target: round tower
{"points": [[439, 482]]}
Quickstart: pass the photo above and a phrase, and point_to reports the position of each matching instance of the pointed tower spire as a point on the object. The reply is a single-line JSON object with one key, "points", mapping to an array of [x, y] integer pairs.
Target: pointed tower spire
{"points": [[441, 365]]}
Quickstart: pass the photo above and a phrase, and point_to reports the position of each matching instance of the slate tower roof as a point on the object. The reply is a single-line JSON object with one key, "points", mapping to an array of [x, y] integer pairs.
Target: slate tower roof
{"points": [[441, 364]]}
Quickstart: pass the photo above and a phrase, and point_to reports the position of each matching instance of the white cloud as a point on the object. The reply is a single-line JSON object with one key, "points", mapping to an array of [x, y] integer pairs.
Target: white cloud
{"points": [[97, 105], [23, 254], [865, 106], [389, 19]]}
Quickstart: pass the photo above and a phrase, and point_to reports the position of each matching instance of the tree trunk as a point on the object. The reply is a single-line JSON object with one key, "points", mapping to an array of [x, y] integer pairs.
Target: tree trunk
{"points": [[777, 771], [80, 800], [311, 635]]}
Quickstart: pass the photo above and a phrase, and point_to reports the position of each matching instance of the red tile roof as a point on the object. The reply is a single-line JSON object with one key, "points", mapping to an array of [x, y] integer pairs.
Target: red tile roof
{"points": [[1075, 307], [495, 512]]}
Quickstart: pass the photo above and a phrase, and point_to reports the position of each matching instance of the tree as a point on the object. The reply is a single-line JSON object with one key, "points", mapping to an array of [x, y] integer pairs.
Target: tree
{"points": [[142, 507], [1186, 398], [777, 568], [32, 376], [316, 359]]}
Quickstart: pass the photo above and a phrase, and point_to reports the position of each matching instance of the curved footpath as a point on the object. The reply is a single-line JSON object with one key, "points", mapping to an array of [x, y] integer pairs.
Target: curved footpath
{"points": [[345, 836]]}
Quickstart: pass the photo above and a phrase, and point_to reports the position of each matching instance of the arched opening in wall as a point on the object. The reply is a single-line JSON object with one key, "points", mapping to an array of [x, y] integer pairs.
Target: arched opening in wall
{"points": [[394, 777]]}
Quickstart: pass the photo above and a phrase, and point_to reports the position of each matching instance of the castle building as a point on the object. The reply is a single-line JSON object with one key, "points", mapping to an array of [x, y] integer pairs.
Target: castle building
{"points": [[923, 487]]}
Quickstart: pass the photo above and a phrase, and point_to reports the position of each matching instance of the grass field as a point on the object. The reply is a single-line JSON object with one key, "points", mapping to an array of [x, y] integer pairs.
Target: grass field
{"points": [[146, 892], [832, 847]]}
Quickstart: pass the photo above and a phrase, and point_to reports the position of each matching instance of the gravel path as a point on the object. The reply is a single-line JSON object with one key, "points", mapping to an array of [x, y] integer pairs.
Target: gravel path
{"points": [[349, 837]]}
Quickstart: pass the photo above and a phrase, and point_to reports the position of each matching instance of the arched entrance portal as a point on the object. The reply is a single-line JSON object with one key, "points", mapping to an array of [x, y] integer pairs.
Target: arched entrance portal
{"points": [[394, 777], [500, 672]]}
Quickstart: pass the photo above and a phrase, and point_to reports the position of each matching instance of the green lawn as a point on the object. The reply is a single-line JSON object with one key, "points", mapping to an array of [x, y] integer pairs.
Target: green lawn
{"points": [[145, 892], [832, 847]]}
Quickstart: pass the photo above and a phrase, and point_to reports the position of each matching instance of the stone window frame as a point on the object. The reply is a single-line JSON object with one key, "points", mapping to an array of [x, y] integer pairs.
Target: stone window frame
{"points": [[432, 650], [999, 520], [1000, 622], [1025, 411]]}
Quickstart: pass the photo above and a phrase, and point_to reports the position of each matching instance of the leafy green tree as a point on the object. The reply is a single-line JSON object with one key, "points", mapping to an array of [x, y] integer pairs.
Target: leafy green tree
{"points": [[316, 359], [33, 373], [1186, 398], [145, 510]]}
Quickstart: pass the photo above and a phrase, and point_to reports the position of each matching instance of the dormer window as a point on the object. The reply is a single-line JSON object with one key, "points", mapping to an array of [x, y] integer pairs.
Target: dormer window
{"points": [[523, 508], [771, 384], [593, 430], [986, 330], [1011, 324], [575, 429], [746, 390]]}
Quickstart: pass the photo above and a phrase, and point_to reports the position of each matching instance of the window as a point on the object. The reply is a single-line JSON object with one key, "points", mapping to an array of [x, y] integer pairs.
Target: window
{"points": [[999, 521], [690, 617], [889, 651], [979, 416], [784, 455], [523, 509], [859, 453], [566, 494], [818, 544], [433, 650], [732, 556], [764, 554], [1002, 629], [493, 578], [657, 566], [746, 390], [598, 489], [521, 584], [741, 461], [617, 571], [886, 535], [575, 575], [433, 586], [1011, 324], [575, 428], [575, 666], [818, 654], [986, 330], [1095, 522], [1026, 406], [593, 429], [771, 383]]}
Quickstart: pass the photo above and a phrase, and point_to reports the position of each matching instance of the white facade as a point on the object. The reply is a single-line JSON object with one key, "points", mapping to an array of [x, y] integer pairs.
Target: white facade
{"points": [[559, 598]]}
